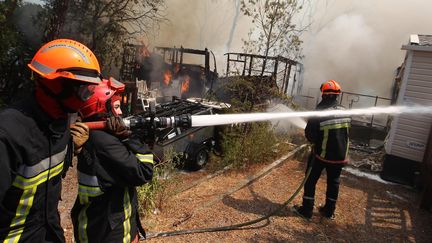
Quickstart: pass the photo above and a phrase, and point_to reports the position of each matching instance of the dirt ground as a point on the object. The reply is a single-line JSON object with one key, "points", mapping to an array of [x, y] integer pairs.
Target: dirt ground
{"points": [[367, 210]]}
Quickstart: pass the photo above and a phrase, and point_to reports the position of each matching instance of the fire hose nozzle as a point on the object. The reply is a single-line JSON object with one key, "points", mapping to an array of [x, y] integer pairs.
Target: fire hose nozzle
{"points": [[184, 121], [137, 122]]}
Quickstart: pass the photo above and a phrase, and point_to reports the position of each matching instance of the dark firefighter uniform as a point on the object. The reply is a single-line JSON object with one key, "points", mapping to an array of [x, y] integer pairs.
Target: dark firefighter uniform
{"points": [[106, 207], [329, 136], [33, 149]]}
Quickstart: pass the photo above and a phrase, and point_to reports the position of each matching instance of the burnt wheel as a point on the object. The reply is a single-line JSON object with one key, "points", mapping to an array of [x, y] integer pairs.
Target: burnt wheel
{"points": [[200, 159]]}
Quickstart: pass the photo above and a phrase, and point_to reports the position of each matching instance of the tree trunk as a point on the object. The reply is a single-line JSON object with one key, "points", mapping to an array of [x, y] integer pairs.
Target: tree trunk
{"points": [[267, 49], [56, 20]]}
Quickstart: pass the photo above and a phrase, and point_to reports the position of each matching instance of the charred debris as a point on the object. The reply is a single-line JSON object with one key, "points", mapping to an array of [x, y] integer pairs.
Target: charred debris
{"points": [[192, 73], [170, 75], [169, 71]]}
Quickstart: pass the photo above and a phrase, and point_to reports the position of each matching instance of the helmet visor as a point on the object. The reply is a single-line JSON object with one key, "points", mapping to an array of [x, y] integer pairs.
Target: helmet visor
{"points": [[84, 91]]}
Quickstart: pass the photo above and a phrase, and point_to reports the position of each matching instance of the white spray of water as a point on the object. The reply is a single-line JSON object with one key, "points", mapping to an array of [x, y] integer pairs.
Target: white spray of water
{"points": [[212, 120], [284, 124], [370, 176]]}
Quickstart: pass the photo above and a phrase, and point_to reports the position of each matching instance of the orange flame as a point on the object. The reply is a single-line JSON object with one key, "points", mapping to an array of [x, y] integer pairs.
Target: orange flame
{"points": [[185, 84], [167, 77]]}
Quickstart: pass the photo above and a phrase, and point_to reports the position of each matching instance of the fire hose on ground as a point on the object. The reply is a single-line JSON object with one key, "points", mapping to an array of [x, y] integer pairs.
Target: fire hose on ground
{"points": [[240, 226], [243, 183]]}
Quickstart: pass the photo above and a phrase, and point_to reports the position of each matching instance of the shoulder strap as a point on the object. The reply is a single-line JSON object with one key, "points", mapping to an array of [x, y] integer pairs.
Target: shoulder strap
{"points": [[68, 158], [142, 233]]}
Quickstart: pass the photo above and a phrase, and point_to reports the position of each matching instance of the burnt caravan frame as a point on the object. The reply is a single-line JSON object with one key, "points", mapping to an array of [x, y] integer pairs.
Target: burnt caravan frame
{"points": [[283, 70]]}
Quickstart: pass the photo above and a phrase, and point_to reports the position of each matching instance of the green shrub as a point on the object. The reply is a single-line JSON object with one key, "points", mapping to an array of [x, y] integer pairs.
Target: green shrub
{"points": [[152, 196], [249, 143]]}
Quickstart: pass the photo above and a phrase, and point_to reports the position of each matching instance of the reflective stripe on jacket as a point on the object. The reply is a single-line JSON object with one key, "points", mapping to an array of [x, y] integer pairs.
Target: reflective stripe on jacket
{"points": [[32, 152], [329, 135]]}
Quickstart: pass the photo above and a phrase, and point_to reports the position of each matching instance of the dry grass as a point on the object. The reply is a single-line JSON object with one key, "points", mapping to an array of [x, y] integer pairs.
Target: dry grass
{"points": [[367, 211]]}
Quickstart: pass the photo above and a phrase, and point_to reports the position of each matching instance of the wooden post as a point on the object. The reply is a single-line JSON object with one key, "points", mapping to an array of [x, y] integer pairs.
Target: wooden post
{"points": [[284, 76], [228, 63], [287, 79], [250, 66]]}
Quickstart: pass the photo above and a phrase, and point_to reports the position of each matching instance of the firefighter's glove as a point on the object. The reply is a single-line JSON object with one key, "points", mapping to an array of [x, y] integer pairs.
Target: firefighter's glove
{"points": [[116, 127], [80, 135]]}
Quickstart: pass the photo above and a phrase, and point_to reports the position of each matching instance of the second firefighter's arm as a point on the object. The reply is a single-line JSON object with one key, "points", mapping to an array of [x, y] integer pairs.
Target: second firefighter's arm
{"points": [[5, 170], [312, 130], [125, 167]]}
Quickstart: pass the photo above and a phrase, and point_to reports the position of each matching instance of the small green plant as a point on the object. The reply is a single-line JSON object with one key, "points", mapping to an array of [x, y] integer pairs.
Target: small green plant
{"points": [[152, 196]]}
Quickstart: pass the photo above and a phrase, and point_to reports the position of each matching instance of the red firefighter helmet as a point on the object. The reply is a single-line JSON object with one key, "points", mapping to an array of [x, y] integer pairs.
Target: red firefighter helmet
{"points": [[330, 87], [67, 71], [97, 104]]}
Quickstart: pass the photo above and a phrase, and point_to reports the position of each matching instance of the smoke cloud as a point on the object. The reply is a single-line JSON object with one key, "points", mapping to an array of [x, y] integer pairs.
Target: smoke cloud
{"points": [[357, 43], [198, 24]]}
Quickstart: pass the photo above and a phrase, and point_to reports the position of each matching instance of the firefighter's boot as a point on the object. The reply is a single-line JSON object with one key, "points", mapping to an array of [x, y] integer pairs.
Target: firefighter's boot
{"points": [[328, 209], [306, 209]]}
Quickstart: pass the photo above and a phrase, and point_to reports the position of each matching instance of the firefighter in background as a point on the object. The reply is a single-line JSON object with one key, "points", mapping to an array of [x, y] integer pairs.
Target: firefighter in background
{"points": [[110, 166], [35, 141], [329, 137]]}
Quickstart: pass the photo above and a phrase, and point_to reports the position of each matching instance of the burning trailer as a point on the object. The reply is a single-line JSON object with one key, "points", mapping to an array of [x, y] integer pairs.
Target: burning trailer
{"points": [[169, 71], [192, 144], [166, 128], [167, 83]]}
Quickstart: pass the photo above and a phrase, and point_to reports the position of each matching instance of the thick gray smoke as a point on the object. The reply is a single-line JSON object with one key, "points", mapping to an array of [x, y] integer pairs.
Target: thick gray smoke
{"points": [[357, 43], [199, 24]]}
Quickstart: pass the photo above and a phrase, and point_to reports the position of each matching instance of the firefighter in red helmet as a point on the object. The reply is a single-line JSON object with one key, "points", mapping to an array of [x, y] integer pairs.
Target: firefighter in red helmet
{"points": [[330, 144], [36, 144], [111, 164]]}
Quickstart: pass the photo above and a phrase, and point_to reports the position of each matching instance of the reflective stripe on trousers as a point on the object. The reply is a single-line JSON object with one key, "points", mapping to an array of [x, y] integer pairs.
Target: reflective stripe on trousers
{"points": [[127, 212], [82, 224], [88, 187]]}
